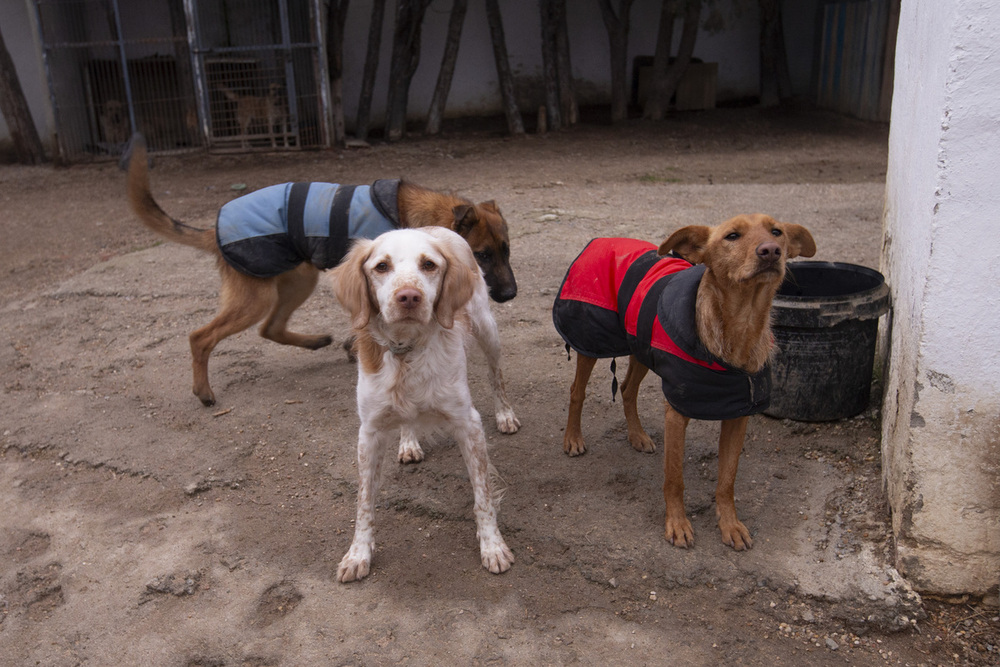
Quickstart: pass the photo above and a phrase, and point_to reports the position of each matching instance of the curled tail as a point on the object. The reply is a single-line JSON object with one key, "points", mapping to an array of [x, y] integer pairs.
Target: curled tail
{"points": [[144, 206]]}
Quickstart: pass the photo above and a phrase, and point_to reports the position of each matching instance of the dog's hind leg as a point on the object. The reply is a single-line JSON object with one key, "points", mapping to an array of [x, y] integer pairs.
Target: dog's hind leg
{"points": [[484, 328], [637, 437], [409, 446], [573, 437], [734, 533], [677, 528], [294, 287], [244, 302]]}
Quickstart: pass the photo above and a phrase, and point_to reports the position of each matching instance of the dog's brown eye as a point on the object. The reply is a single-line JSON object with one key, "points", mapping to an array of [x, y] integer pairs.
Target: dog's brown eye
{"points": [[776, 232], [732, 236], [428, 265], [382, 267]]}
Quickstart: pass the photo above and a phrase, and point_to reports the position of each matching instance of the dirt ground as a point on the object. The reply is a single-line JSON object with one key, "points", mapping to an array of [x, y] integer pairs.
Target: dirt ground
{"points": [[140, 528]]}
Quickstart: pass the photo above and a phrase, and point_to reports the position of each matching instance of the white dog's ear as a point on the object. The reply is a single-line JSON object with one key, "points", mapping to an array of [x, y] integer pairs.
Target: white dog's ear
{"points": [[457, 287], [350, 284]]}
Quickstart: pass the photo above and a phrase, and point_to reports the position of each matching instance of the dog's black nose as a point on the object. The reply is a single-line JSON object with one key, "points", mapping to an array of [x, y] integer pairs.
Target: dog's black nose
{"points": [[769, 252], [505, 293]]}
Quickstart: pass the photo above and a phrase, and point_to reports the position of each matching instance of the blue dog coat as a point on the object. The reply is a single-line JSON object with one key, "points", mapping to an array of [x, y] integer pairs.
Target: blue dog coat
{"points": [[273, 230], [620, 298]]}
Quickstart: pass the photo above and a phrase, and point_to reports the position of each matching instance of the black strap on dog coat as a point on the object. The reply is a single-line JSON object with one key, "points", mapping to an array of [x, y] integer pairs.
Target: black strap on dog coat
{"points": [[620, 298], [273, 230]]}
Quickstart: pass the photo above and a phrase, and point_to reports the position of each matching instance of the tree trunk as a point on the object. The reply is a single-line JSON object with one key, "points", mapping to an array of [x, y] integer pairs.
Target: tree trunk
{"points": [[656, 102], [567, 93], [664, 87], [514, 123], [336, 16], [617, 25], [371, 69], [405, 58], [775, 79], [443, 86], [550, 64], [185, 76], [23, 133]]}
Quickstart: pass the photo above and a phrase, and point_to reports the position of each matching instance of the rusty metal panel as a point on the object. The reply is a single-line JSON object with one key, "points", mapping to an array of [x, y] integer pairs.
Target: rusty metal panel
{"points": [[854, 47]]}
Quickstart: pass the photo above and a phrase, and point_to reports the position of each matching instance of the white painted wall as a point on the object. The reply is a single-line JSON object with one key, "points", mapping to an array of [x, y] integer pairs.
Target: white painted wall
{"points": [[941, 256]]}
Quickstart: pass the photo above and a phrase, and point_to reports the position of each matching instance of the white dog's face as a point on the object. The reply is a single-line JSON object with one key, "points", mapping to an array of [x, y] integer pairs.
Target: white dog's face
{"points": [[407, 277], [405, 271]]}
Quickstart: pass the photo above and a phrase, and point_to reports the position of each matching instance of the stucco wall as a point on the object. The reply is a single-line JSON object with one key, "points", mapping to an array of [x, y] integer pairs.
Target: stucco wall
{"points": [[941, 417]]}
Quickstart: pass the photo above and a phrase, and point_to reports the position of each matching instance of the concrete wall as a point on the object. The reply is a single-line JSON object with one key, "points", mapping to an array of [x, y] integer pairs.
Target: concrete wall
{"points": [[732, 43], [19, 34], [941, 417], [475, 89]]}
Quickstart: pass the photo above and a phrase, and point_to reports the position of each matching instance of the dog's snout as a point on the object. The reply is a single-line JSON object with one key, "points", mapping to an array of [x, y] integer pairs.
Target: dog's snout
{"points": [[409, 298], [769, 252], [503, 293]]}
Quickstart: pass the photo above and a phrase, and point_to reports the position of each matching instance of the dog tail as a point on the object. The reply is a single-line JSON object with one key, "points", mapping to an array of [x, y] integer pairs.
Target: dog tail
{"points": [[149, 212]]}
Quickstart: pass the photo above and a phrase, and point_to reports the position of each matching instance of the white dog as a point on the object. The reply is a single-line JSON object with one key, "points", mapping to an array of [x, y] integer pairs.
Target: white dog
{"points": [[415, 296]]}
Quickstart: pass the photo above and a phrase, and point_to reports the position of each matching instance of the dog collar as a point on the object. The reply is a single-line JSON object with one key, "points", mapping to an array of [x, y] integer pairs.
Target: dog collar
{"points": [[399, 349]]}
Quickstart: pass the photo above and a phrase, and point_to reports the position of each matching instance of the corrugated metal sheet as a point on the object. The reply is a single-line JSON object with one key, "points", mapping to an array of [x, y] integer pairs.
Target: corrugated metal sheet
{"points": [[856, 51]]}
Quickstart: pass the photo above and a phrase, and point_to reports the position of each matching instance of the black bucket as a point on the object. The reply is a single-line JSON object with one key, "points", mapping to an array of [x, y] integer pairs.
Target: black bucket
{"points": [[825, 321]]}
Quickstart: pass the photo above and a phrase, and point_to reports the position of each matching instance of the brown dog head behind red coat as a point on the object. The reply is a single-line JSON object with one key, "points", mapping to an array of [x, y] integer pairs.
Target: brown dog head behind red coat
{"points": [[745, 260]]}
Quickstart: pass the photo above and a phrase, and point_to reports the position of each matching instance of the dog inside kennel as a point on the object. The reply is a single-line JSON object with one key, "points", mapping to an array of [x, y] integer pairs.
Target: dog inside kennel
{"points": [[229, 75]]}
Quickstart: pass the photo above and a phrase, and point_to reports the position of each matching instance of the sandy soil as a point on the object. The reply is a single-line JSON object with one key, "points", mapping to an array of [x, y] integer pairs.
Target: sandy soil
{"points": [[140, 528]]}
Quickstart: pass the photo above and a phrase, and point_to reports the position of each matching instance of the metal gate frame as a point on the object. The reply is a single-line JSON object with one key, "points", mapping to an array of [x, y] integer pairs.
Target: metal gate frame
{"points": [[108, 77], [264, 99], [94, 100]]}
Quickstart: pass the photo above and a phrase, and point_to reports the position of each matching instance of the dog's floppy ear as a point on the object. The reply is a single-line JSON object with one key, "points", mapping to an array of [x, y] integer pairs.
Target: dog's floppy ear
{"points": [[688, 242], [466, 218], [800, 241], [457, 287], [350, 284]]}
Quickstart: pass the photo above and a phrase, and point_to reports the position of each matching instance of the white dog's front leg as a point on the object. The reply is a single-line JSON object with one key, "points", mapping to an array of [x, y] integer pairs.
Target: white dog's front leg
{"points": [[495, 554], [409, 446], [356, 563]]}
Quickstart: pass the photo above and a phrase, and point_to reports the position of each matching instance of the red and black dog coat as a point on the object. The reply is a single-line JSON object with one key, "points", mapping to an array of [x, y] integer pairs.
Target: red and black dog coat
{"points": [[620, 298]]}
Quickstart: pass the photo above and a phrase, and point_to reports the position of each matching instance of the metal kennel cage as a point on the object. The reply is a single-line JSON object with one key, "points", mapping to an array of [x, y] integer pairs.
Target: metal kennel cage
{"points": [[228, 74], [263, 73]]}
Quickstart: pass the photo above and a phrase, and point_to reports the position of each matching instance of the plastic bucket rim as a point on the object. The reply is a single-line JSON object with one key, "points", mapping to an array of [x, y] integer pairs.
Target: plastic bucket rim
{"points": [[832, 265], [831, 310]]}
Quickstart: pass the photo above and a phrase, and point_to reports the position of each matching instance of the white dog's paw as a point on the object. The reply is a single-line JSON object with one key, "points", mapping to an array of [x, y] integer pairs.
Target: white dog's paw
{"points": [[409, 450], [507, 422], [355, 565], [496, 556]]}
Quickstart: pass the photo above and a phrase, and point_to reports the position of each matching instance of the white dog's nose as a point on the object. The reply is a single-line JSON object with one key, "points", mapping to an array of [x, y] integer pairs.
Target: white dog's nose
{"points": [[409, 298]]}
